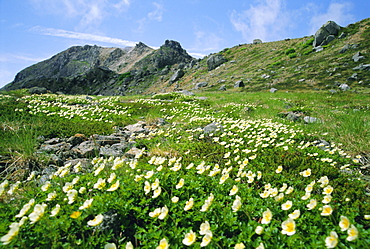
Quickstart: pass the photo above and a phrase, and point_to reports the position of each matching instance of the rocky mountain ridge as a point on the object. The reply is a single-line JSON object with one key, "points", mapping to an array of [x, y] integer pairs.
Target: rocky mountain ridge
{"points": [[98, 70], [333, 57]]}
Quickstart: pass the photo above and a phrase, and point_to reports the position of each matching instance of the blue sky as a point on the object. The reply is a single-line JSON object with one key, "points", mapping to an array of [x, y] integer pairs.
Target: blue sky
{"points": [[34, 30]]}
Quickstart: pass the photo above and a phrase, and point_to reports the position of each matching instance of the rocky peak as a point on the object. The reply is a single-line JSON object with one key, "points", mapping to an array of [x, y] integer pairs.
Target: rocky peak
{"points": [[170, 53]]}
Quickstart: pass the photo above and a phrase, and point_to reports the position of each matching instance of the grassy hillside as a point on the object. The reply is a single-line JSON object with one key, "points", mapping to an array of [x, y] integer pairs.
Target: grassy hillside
{"points": [[289, 64]]}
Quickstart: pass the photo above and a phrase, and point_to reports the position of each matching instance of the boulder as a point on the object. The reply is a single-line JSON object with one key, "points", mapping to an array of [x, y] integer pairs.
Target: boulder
{"points": [[342, 35], [214, 61], [115, 150], [357, 56], [353, 77], [257, 41], [222, 88], [76, 139], [176, 76], [212, 127], [104, 140], [344, 87], [311, 120], [200, 85], [318, 49], [329, 28], [344, 48], [87, 149], [362, 67], [328, 39], [55, 148], [186, 93], [135, 129], [239, 83], [272, 90]]}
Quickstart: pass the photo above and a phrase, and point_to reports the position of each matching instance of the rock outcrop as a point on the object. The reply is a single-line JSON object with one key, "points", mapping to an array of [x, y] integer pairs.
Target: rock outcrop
{"points": [[214, 61], [326, 33]]}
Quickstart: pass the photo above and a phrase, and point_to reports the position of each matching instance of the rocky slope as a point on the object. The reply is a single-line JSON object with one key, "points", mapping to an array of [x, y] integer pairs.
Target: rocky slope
{"points": [[335, 58], [97, 70]]}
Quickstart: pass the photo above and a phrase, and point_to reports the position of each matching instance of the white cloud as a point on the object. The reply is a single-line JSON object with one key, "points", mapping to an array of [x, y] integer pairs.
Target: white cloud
{"points": [[337, 12], [266, 21], [197, 55], [81, 36]]}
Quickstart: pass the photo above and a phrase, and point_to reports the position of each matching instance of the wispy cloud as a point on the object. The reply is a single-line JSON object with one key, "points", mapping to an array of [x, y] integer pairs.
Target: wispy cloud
{"points": [[206, 41], [14, 58], [155, 15], [81, 36], [338, 12], [267, 21], [86, 12]]}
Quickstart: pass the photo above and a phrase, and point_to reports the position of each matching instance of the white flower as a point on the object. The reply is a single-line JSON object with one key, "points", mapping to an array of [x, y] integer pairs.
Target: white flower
{"points": [[96, 221], [237, 204], [163, 213]]}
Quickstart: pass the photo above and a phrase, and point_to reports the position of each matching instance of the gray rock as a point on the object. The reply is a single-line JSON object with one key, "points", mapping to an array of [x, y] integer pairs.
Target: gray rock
{"points": [[353, 77], [344, 87], [212, 127], [318, 49], [357, 56], [76, 139], [322, 144], [201, 98], [342, 35], [328, 39], [55, 140], [344, 48], [176, 76], [222, 88], [87, 149], [215, 60], [104, 140], [293, 116], [329, 28], [115, 150], [362, 67], [136, 128], [165, 70], [186, 93], [200, 85], [310, 120], [54, 148], [272, 90], [332, 91], [257, 41], [239, 83]]}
